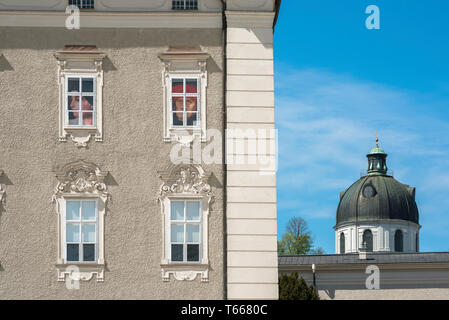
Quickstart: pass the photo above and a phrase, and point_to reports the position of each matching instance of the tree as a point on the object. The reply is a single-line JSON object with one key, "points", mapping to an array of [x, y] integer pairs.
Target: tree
{"points": [[297, 239], [317, 251], [291, 287]]}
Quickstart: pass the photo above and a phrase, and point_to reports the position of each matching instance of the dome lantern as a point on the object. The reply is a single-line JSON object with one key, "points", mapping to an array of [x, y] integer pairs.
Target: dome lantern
{"points": [[377, 161]]}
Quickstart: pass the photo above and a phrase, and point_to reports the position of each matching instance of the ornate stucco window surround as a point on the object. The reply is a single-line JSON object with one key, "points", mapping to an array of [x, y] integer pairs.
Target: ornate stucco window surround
{"points": [[80, 79], [80, 184], [185, 184], [184, 82]]}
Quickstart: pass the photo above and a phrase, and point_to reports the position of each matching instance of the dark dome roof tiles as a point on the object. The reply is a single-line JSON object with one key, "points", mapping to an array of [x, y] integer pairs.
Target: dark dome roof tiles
{"points": [[391, 200]]}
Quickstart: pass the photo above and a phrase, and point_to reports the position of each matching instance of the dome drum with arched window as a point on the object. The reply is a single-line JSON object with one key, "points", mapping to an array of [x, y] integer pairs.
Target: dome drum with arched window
{"points": [[377, 212]]}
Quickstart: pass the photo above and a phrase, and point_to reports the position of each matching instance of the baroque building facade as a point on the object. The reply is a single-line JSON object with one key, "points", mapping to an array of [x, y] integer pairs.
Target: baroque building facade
{"points": [[118, 179]]}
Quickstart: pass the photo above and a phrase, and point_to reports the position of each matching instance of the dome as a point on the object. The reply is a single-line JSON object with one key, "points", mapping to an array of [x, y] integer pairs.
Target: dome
{"points": [[376, 197], [377, 150]]}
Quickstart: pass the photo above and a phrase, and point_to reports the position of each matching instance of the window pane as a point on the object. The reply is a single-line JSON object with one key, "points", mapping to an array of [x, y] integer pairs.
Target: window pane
{"points": [[73, 252], [73, 210], [193, 252], [192, 119], [193, 210], [191, 103], [73, 232], [88, 232], [88, 85], [177, 210], [176, 252], [177, 86], [89, 210], [178, 103], [73, 85], [73, 102], [88, 118], [88, 252], [73, 118], [88, 103], [178, 118], [191, 86], [193, 232], [177, 233]]}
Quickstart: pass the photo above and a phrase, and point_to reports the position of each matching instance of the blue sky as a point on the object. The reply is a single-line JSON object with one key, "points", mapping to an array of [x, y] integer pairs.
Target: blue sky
{"points": [[337, 83]]}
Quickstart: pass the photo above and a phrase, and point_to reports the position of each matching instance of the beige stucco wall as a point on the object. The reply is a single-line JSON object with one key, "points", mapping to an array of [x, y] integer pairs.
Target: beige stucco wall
{"points": [[132, 151], [387, 294]]}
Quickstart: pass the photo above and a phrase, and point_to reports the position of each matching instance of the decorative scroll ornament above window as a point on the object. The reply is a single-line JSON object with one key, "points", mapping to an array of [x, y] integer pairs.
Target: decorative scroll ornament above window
{"points": [[80, 106], [185, 182], [185, 179], [81, 177], [80, 180], [2, 191], [182, 65]]}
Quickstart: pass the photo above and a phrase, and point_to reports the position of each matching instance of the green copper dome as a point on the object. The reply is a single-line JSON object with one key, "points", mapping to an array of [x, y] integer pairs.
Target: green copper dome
{"points": [[377, 150], [377, 196]]}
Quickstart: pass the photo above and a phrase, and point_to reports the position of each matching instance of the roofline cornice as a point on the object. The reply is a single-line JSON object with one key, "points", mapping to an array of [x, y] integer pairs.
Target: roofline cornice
{"points": [[102, 19]]}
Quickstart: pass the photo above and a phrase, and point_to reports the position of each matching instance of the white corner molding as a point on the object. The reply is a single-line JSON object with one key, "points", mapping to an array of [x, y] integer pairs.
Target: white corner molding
{"points": [[249, 19], [80, 61], [2, 191], [184, 63], [185, 182], [80, 180], [250, 5]]}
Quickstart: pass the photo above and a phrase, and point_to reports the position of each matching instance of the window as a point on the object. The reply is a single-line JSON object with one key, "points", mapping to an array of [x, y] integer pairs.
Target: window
{"points": [[185, 100], [417, 242], [398, 241], [367, 240], [185, 83], [80, 88], [81, 230], [82, 4], [185, 230], [369, 191], [185, 4], [80, 92], [185, 197], [80, 198], [342, 243]]}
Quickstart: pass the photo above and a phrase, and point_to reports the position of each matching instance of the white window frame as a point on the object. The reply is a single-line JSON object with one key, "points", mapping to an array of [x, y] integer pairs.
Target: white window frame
{"points": [[184, 66], [197, 95], [80, 95], [73, 185], [190, 187], [82, 5], [185, 3], [80, 65], [80, 222], [185, 222]]}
